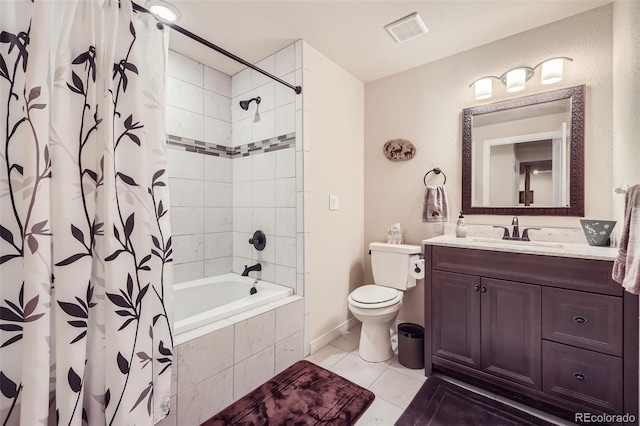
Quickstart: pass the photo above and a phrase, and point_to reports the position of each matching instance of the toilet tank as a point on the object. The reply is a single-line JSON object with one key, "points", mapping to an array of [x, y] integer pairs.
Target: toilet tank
{"points": [[390, 264]]}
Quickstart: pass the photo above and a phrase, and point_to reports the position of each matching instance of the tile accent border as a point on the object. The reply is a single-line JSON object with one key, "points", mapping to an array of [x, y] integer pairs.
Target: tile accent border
{"points": [[253, 148]]}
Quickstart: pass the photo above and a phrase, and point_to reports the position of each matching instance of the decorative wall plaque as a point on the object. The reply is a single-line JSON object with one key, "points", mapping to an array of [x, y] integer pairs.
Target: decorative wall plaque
{"points": [[399, 150]]}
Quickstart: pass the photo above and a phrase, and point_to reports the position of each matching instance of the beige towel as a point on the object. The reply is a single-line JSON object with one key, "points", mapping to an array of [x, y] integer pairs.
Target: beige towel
{"points": [[626, 268], [435, 207]]}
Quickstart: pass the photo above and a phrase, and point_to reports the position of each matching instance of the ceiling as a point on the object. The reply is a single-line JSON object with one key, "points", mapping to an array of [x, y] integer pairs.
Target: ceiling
{"points": [[352, 34]]}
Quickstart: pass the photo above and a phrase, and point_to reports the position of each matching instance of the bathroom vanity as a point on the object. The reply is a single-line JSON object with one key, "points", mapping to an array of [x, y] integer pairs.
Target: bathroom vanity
{"points": [[542, 323]]}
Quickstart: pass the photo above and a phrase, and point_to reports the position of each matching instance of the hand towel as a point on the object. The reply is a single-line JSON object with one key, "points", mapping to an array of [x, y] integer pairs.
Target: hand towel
{"points": [[626, 268], [435, 207]]}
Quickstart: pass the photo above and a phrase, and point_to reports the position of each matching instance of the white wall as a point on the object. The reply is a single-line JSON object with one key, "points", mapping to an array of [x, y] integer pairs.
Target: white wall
{"points": [[334, 149], [626, 99], [501, 179], [424, 105]]}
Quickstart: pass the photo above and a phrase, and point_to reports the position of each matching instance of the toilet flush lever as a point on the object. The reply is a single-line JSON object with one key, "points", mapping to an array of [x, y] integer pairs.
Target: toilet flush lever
{"points": [[417, 269]]}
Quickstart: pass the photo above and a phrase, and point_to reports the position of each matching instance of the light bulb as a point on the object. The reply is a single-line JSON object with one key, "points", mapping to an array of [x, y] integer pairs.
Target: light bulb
{"points": [[483, 88], [516, 79], [551, 71], [163, 10]]}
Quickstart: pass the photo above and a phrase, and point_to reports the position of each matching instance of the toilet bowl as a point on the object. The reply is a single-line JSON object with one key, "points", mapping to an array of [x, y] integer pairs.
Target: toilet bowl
{"points": [[395, 267], [376, 307]]}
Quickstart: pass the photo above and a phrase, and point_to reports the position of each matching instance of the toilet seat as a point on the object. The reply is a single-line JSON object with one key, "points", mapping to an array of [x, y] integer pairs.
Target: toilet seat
{"points": [[373, 296]]}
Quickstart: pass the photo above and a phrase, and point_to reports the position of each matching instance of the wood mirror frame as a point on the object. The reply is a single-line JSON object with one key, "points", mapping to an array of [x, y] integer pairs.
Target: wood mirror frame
{"points": [[576, 95]]}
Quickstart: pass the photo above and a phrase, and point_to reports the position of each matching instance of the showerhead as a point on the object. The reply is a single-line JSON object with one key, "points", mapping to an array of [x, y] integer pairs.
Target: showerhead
{"points": [[245, 104]]}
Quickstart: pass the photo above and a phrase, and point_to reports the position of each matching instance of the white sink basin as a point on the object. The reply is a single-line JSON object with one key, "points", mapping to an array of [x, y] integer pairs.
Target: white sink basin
{"points": [[496, 241]]}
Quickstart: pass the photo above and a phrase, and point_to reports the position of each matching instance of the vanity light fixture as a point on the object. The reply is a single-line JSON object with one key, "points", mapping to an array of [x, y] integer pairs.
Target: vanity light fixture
{"points": [[516, 78], [163, 10]]}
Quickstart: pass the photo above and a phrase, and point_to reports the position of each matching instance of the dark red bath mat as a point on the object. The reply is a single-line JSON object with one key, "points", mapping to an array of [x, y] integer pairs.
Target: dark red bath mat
{"points": [[303, 394], [441, 403]]}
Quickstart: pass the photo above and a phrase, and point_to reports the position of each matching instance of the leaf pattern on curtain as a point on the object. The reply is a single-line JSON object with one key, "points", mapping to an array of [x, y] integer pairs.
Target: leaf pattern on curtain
{"points": [[85, 243]]}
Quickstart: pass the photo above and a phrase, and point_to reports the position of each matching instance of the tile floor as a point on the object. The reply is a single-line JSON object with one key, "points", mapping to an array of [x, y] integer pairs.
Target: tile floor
{"points": [[393, 384]]}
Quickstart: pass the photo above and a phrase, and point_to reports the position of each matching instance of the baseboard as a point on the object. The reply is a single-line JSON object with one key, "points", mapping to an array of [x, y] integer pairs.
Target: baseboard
{"points": [[328, 337]]}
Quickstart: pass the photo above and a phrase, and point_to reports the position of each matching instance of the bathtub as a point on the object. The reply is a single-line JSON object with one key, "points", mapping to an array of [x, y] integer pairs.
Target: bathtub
{"points": [[201, 302]]}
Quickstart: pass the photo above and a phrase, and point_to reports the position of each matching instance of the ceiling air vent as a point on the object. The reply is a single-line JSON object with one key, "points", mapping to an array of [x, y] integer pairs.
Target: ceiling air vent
{"points": [[407, 28]]}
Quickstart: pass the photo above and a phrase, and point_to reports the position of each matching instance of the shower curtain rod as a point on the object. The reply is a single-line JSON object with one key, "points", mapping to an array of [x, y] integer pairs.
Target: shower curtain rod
{"points": [[192, 36]]}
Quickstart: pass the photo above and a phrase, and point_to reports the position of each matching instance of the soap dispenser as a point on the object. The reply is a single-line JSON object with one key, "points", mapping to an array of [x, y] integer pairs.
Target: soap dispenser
{"points": [[461, 228]]}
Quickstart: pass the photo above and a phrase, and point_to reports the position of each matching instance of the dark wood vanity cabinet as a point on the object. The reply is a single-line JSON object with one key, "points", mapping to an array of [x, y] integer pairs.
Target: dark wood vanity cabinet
{"points": [[487, 324], [554, 332]]}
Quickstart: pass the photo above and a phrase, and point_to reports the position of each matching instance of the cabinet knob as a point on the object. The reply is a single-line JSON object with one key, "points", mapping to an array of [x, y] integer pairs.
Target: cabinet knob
{"points": [[579, 376], [476, 288], [484, 289], [579, 319]]}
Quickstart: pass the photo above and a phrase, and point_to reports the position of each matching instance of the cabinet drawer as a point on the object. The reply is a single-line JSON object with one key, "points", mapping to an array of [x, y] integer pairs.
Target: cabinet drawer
{"points": [[588, 378], [589, 321]]}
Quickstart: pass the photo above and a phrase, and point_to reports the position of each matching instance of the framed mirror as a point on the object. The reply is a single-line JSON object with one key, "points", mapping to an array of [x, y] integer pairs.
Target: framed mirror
{"points": [[525, 156]]}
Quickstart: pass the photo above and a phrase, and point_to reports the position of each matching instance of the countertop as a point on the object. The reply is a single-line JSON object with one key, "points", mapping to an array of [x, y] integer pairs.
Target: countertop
{"points": [[558, 249]]}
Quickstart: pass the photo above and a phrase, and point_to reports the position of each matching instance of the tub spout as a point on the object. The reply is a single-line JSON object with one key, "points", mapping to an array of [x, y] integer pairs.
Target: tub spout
{"points": [[247, 269]]}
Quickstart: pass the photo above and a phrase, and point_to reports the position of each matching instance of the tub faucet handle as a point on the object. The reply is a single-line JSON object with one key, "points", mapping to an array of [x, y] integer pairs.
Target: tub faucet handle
{"points": [[259, 240]]}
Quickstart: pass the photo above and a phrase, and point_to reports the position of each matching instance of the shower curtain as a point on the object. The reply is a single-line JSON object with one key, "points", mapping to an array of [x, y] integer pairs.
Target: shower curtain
{"points": [[85, 245]]}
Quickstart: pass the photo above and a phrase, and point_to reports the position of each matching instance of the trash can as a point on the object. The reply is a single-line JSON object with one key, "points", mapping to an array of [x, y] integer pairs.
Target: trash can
{"points": [[411, 345]]}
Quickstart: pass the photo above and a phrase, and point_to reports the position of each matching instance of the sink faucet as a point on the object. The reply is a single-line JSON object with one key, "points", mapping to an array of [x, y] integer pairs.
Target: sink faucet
{"points": [[516, 231], [247, 269], [515, 234]]}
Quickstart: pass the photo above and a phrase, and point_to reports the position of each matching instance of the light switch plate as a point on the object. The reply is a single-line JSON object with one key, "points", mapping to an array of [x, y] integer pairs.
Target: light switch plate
{"points": [[334, 202]]}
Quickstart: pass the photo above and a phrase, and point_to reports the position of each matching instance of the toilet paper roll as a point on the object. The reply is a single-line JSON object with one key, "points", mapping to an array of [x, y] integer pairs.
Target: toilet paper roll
{"points": [[417, 269]]}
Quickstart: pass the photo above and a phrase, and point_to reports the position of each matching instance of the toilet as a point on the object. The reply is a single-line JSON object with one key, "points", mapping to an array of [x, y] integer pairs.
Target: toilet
{"points": [[395, 267]]}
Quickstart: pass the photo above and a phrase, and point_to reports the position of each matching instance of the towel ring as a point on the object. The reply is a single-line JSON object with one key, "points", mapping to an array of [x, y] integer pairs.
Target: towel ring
{"points": [[436, 171]]}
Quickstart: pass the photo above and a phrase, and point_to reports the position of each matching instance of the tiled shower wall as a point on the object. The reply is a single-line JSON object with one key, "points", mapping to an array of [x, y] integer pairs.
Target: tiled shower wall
{"points": [[217, 203], [278, 102], [198, 108], [264, 189], [264, 183], [201, 214]]}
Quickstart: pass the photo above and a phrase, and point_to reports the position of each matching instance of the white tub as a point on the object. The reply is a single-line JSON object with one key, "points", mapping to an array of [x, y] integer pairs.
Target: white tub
{"points": [[200, 302]]}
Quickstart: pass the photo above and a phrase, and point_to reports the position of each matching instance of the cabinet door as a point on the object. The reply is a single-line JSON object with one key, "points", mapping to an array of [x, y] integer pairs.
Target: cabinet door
{"points": [[511, 331], [456, 317]]}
